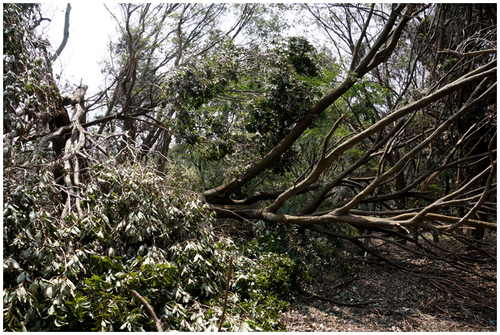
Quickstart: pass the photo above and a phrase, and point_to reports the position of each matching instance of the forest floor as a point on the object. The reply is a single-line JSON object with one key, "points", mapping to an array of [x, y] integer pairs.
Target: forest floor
{"points": [[384, 298]]}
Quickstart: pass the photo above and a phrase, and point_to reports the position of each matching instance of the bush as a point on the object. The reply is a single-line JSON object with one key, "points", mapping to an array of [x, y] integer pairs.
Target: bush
{"points": [[142, 234]]}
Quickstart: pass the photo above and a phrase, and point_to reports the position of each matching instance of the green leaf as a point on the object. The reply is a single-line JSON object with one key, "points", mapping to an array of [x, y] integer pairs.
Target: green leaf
{"points": [[21, 277]]}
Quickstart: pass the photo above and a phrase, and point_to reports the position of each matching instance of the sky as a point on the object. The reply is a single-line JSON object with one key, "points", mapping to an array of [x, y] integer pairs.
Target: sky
{"points": [[90, 29]]}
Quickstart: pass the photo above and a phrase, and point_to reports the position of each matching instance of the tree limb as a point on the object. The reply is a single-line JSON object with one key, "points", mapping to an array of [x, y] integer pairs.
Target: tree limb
{"points": [[227, 189], [65, 34], [469, 54]]}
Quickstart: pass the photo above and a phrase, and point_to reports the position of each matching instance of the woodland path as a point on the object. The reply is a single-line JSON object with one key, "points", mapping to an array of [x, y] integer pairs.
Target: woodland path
{"points": [[438, 299]]}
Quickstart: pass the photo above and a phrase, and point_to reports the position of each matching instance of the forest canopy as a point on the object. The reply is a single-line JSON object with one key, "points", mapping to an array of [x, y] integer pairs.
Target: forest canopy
{"points": [[261, 143]]}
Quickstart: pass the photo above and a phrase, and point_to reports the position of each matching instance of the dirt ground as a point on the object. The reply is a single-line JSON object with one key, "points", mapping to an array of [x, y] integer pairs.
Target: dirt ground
{"points": [[384, 298]]}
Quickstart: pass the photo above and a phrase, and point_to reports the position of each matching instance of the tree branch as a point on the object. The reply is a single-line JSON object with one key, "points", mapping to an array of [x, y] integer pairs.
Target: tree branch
{"points": [[65, 34], [227, 189], [149, 309], [469, 54]]}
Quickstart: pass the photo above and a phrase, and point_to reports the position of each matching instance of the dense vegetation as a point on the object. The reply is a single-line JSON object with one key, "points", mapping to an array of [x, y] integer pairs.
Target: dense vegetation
{"points": [[219, 142]]}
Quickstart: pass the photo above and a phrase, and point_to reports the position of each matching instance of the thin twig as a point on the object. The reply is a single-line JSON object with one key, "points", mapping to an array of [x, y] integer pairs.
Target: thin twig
{"points": [[227, 291], [340, 303], [149, 309]]}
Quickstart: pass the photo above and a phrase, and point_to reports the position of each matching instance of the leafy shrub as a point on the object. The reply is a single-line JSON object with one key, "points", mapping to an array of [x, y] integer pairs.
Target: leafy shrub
{"points": [[309, 251], [142, 234]]}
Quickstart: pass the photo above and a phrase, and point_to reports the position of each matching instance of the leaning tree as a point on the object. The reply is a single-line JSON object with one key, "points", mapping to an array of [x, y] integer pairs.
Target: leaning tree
{"points": [[419, 102]]}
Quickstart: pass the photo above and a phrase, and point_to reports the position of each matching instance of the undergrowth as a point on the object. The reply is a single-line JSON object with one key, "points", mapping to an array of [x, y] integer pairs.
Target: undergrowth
{"points": [[139, 233]]}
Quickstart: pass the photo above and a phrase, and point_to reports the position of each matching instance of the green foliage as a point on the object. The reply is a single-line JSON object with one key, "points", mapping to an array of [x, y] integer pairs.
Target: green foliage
{"points": [[299, 51], [237, 99], [306, 253], [142, 234], [288, 93], [29, 91], [194, 86]]}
